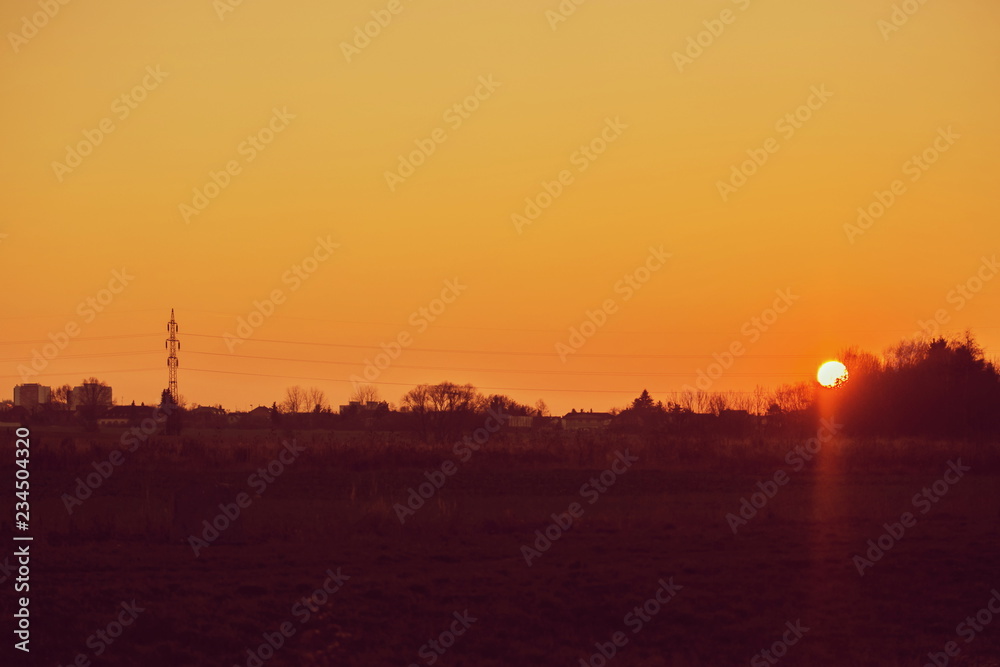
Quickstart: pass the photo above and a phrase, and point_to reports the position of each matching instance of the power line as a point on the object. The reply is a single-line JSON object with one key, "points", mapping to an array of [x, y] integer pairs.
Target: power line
{"points": [[397, 384], [470, 370], [96, 355], [409, 384], [63, 314], [74, 339], [94, 373], [907, 329], [499, 352], [446, 369]]}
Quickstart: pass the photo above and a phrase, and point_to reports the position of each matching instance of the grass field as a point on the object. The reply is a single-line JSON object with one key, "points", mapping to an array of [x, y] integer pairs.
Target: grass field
{"points": [[664, 517]]}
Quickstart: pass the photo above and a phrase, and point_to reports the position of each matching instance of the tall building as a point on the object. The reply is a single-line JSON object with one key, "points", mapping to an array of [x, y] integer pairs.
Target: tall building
{"points": [[90, 393], [31, 395]]}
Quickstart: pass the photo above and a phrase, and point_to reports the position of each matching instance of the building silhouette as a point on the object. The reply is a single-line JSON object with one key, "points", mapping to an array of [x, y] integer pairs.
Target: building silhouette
{"points": [[31, 395]]}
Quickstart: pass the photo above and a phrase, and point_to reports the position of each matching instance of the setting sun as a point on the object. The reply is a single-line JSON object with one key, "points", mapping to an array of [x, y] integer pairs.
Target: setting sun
{"points": [[324, 322], [832, 374]]}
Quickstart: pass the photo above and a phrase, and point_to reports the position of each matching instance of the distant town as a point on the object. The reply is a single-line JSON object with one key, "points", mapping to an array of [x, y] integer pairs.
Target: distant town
{"points": [[439, 409]]}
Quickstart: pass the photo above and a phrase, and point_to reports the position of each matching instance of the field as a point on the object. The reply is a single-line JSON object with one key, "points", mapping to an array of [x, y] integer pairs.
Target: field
{"points": [[331, 508]]}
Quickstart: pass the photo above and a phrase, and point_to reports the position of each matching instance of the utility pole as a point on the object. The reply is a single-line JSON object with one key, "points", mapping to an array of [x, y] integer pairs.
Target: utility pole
{"points": [[172, 345]]}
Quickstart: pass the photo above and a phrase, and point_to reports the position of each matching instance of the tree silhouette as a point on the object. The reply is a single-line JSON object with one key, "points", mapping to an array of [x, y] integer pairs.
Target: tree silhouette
{"points": [[365, 392], [173, 412], [939, 388], [62, 395], [92, 399], [442, 409], [315, 399], [507, 405], [644, 402], [295, 399]]}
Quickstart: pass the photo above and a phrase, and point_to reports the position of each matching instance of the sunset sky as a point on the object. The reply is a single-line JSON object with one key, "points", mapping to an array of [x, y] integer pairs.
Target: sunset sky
{"points": [[199, 81]]}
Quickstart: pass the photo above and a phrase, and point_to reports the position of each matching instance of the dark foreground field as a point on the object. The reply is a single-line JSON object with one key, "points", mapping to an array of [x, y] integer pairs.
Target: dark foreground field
{"points": [[460, 556]]}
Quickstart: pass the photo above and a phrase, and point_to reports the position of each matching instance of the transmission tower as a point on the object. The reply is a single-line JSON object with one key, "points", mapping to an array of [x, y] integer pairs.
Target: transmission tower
{"points": [[172, 345]]}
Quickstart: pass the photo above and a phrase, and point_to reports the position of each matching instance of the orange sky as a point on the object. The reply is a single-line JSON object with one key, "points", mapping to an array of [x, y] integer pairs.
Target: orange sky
{"points": [[196, 86]]}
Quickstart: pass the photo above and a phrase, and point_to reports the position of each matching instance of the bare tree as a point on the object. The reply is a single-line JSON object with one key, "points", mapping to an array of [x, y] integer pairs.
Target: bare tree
{"points": [[903, 354], [541, 409], [62, 394], [417, 400], [92, 400], [441, 408], [717, 402], [863, 364], [445, 397], [505, 405], [365, 392], [699, 401], [746, 400], [759, 400], [94, 394], [295, 398], [453, 398], [686, 400], [794, 397], [315, 399]]}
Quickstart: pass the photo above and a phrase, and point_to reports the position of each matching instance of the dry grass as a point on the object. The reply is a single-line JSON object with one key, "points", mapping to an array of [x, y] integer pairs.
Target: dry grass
{"points": [[665, 517]]}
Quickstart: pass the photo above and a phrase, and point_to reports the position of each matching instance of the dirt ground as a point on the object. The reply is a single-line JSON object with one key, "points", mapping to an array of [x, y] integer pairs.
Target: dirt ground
{"points": [[400, 586]]}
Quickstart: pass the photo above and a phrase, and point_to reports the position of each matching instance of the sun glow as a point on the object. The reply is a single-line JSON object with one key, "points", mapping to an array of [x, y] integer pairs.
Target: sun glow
{"points": [[832, 374]]}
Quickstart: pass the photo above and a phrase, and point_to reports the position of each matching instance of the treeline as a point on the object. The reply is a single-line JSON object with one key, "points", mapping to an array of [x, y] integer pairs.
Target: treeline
{"points": [[942, 388]]}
